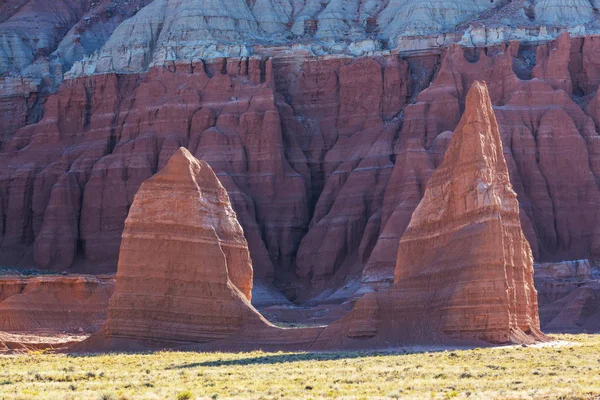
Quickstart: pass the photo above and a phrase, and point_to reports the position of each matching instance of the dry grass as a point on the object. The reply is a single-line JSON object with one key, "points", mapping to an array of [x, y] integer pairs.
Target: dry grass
{"points": [[568, 371]]}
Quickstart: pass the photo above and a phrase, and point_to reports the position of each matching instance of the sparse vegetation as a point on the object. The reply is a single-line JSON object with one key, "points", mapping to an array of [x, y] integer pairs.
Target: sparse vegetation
{"points": [[569, 371], [187, 395]]}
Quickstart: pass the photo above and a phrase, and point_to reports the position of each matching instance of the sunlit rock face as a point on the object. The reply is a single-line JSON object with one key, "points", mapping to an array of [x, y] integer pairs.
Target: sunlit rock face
{"points": [[322, 127], [465, 243], [184, 273], [464, 269]]}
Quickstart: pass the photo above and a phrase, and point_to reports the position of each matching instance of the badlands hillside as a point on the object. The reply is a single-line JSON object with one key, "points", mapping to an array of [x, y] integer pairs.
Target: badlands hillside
{"points": [[323, 120]]}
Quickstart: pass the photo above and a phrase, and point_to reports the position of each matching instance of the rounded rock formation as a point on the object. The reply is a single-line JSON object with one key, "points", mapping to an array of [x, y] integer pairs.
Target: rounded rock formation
{"points": [[184, 273]]}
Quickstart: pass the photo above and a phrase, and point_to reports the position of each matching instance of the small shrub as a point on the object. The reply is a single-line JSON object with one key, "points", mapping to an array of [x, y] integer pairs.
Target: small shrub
{"points": [[187, 395]]}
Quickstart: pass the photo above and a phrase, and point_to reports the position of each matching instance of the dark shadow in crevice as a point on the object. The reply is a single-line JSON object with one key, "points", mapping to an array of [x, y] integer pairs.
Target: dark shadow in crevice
{"points": [[524, 63]]}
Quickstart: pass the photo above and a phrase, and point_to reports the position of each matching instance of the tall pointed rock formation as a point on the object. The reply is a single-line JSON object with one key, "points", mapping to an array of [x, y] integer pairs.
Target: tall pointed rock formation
{"points": [[184, 270], [464, 269], [464, 246]]}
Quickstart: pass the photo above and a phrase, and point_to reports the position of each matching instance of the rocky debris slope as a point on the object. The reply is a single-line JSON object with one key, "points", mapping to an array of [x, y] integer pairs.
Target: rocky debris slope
{"points": [[168, 30], [561, 12], [41, 39], [54, 304], [35, 29], [569, 294], [184, 273], [464, 268]]}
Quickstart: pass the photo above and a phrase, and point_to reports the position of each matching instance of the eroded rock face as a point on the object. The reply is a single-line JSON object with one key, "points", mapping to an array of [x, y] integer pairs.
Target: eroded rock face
{"points": [[464, 269], [569, 294], [184, 273], [241, 131], [54, 304], [324, 158], [232, 27]]}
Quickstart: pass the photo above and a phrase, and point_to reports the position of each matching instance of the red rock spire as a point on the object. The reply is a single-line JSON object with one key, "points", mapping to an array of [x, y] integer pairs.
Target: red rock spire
{"points": [[465, 240], [184, 272]]}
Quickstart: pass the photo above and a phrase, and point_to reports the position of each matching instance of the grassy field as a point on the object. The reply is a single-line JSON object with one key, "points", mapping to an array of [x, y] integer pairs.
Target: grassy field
{"points": [[566, 371]]}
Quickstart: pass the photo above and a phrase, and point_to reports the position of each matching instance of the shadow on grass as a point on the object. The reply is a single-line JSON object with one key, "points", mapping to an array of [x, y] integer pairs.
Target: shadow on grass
{"points": [[282, 358]]}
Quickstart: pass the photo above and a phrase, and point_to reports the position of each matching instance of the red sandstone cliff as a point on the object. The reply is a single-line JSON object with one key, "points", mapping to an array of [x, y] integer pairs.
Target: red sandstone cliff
{"points": [[324, 159]]}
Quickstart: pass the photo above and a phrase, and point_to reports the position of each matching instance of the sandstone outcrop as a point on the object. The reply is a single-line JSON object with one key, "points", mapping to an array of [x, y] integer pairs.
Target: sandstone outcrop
{"points": [[54, 304], [185, 273], [464, 269], [18, 343]]}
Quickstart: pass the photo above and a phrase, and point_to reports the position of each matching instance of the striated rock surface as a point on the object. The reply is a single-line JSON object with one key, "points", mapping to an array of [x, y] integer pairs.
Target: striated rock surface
{"points": [[54, 304], [184, 273], [464, 269]]}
